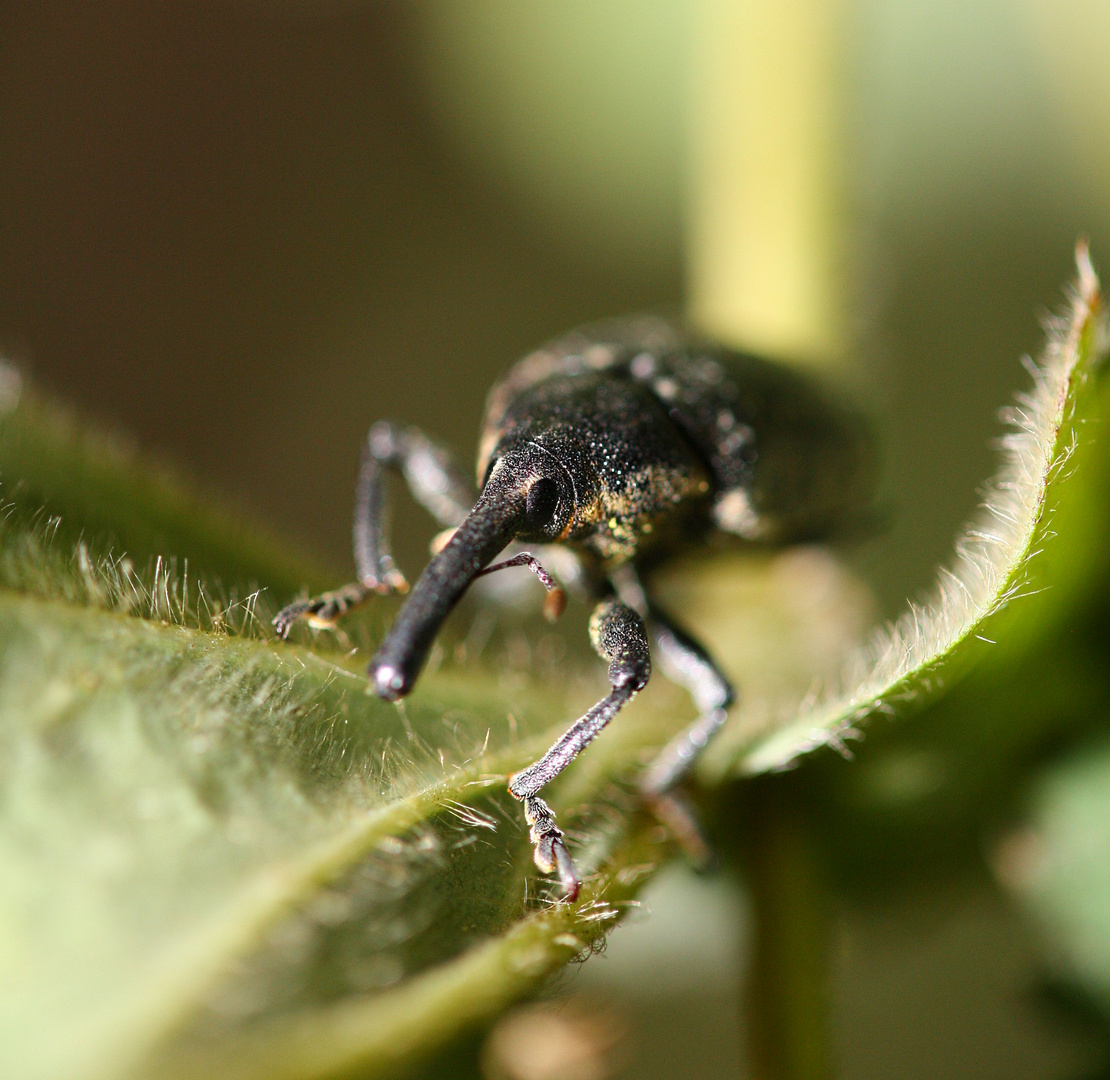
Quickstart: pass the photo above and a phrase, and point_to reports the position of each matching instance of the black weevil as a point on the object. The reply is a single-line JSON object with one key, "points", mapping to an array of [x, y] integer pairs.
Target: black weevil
{"points": [[626, 442]]}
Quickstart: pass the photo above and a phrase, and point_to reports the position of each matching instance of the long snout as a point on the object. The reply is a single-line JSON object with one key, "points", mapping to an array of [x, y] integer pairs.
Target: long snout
{"points": [[487, 530]]}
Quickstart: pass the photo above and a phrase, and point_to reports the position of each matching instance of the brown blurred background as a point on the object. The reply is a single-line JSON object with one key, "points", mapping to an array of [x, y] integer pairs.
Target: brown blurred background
{"points": [[236, 231], [243, 231]]}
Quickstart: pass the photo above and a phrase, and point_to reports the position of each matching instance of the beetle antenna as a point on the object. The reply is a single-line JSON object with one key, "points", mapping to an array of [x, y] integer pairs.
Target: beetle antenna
{"points": [[556, 600]]}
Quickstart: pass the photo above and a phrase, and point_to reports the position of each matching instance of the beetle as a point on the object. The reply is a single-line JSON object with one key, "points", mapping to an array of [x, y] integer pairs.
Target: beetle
{"points": [[627, 442]]}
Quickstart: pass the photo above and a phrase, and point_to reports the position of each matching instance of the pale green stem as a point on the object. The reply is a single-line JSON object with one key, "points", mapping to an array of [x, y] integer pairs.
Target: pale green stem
{"points": [[765, 192]]}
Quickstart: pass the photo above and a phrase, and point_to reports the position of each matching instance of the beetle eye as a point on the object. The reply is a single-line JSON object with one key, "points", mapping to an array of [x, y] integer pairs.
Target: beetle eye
{"points": [[543, 497]]}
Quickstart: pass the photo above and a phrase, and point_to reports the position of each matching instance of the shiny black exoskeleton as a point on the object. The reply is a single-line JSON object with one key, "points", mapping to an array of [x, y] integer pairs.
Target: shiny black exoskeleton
{"points": [[625, 442]]}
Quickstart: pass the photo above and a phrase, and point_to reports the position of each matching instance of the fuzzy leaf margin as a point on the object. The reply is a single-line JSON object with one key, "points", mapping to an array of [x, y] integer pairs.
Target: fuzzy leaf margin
{"points": [[982, 599]]}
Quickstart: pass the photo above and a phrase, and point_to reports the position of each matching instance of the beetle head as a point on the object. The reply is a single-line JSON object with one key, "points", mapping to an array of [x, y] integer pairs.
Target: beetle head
{"points": [[531, 472], [527, 495]]}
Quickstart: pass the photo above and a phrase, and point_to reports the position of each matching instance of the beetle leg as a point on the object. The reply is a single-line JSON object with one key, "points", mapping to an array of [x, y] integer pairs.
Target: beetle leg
{"points": [[433, 482], [686, 662], [321, 612], [618, 635], [431, 478]]}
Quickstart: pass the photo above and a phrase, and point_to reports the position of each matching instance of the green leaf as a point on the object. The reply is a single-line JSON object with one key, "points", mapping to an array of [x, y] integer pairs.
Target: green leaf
{"points": [[171, 795], [1018, 569]]}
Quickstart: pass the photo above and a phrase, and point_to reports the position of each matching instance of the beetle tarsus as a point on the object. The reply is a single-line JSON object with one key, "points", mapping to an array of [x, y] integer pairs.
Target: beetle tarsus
{"points": [[550, 854], [434, 483], [321, 612], [283, 621], [568, 876]]}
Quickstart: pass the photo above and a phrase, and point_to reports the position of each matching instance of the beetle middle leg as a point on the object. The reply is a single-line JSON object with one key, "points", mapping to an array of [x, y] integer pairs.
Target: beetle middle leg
{"points": [[434, 483], [686, 662], [618, 635]]}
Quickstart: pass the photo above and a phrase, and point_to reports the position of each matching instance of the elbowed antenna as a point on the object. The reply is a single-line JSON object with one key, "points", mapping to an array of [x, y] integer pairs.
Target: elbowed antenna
{"points": [[488, 529]]}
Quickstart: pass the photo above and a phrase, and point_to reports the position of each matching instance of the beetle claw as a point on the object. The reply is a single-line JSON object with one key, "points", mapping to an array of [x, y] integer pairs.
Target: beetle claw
{"points": [[554, 604], [568, 876], [550, 854], [283, 621]]}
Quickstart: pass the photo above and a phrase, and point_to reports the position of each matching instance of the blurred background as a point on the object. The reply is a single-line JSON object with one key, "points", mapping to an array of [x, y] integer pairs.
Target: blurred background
{"points": [[243, 231]]}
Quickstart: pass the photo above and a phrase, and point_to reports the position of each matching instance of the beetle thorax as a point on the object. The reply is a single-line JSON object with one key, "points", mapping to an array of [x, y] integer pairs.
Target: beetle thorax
{"points": [[633, 474]]}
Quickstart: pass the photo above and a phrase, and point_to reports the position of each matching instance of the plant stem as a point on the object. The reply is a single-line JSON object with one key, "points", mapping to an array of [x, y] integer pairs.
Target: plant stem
{"points": [[765, 181], [787, 994]]}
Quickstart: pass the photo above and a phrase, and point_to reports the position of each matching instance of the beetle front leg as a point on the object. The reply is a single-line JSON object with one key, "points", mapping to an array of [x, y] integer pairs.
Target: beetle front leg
{"points": [[618, 635], [433, 482], [321, 612]]}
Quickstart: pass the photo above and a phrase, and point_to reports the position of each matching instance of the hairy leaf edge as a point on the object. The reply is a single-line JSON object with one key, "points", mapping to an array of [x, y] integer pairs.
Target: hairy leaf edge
{"points": [[991, 556]]}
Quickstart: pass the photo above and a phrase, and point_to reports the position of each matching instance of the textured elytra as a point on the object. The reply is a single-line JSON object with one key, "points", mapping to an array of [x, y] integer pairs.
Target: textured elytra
{"points": [[652, 424]]}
